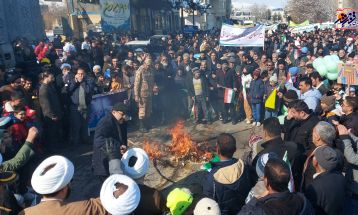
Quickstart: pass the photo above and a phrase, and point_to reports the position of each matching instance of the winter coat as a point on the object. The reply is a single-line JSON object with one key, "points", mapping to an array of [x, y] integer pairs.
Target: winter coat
{"points": [[144, 82], [279, 147], [323, 89], [73, 90], [56, 207], [20, 159], [50, 102], [311, 97], [300, 132], [327, 193], [204, 87], [284, 203], [228, 184], [107, 127], [351, 122], [225, 79], [256, 91], [246, 81], [151, 201], [350, 144]]}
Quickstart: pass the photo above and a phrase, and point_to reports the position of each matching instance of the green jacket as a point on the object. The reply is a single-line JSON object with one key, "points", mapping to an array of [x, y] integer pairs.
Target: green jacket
{"points": [[20, 159]]}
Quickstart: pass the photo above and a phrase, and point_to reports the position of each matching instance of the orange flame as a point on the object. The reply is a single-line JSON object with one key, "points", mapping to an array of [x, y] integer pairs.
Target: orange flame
{"points": [[152, 149], [182, 144]]}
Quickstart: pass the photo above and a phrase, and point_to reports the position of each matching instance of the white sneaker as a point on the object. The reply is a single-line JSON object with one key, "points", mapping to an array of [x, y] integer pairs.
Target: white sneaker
{"points": [[258, 124], [254, 123]]}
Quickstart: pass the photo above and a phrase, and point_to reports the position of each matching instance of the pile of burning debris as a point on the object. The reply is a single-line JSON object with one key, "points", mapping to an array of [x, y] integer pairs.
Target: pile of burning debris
{"points": [[181, 149]]}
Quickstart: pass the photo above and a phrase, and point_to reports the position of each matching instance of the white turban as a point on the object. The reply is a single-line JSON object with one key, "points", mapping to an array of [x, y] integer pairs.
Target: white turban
{"points": [[125, 203], [140, 167], [53, 174]]}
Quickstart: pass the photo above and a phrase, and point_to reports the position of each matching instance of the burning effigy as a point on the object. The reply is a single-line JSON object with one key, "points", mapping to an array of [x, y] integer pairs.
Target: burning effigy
{"points": [[182, 147]]}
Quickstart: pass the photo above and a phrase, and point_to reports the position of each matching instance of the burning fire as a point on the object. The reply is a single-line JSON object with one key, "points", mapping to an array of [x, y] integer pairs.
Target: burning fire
{"points": [[152, 149], [182, 146]]}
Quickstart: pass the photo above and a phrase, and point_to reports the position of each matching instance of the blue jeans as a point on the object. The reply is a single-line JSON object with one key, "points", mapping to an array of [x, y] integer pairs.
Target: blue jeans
{"points": [[269, 114], [256, 111]]}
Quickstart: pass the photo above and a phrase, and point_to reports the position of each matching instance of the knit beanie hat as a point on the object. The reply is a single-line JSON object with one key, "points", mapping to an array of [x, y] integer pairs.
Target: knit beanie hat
{"points": [[330, 101], [326, 157]]}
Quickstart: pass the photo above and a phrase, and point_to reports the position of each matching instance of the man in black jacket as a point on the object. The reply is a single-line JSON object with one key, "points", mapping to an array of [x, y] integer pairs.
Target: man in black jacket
{"points": [[80, 90], [274, 143], [327, 191], [228, 182], [226, 79], [110, 136], [51, 111], [299, 124], [279, 200]]}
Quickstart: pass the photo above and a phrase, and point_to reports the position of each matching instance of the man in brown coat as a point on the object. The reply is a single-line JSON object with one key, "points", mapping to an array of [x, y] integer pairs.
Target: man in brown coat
{"points": [[52, 180], [143, 92]]}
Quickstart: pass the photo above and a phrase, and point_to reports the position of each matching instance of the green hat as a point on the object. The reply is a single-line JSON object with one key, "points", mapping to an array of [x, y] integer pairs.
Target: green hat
{"points": [[179, 200]]}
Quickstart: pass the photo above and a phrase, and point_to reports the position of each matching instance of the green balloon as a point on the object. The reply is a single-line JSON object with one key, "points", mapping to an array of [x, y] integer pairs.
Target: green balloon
{"points": [[335, 58], [322, 70], [317, 62], [332, 76], [331, 64]]}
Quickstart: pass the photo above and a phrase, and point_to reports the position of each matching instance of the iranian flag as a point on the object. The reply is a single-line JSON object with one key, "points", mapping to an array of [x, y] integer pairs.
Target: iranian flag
{"points": [[229, 95], [291, 184]]}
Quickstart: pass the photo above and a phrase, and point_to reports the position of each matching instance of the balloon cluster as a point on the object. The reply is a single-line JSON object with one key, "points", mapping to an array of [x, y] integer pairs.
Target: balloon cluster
{"points": [[327, 66]]}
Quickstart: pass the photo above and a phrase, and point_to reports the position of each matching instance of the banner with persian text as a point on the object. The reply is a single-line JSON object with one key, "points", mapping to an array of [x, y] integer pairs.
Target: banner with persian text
{"points": [[102, 104], [234, 36], [115, 15]]}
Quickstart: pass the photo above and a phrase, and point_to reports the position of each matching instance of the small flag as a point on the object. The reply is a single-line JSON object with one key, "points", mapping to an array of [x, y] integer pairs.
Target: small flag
{"points": [[291, 184], [270, 102], [228, 96]]}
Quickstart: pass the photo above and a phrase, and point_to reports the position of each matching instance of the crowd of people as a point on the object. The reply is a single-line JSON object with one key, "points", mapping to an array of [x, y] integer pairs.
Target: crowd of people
{"points": [[308, 160]]}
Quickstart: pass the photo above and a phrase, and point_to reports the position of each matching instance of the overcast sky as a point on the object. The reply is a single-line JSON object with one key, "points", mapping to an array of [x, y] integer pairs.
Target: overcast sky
{"points": [[270, 3]]}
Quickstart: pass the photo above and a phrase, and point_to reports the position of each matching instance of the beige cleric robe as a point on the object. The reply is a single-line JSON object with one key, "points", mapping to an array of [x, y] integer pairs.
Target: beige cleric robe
{"points": [[56, 207]]}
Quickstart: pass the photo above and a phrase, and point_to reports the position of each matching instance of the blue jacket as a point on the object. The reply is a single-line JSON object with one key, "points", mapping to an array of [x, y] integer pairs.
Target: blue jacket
{"points": [[257, 90], [228, 184], [107, 127], [311, 97]]}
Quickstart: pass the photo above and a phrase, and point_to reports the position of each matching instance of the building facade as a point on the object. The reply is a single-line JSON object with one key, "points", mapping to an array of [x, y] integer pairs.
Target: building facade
{"points": [[147, 17], [213, 18]]}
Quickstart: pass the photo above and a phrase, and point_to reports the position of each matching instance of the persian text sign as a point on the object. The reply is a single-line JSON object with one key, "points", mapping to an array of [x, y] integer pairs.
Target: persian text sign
{"points": [[102, 104], [348, 74], [233, 36], [115, 15], [346, 18]]}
